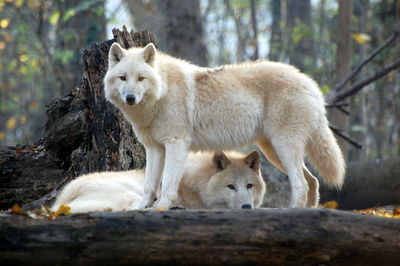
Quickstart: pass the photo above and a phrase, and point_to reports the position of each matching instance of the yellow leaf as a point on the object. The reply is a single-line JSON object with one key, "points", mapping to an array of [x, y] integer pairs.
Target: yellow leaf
{"points": [[23, 58], [22, 119], [11, 123], [54, 17], [361, 38], [19, 3], [16, 209], [64, 209], [4, 23], [160, 209], [2, 45], [3, 136], [330, 205]]}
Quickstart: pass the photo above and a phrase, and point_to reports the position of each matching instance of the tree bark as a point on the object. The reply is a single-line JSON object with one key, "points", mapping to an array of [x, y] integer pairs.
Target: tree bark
{"points": [[276, 32], [343, 65], [177, 25], [258, 237], [27, 173], [84, 133], [254, 23]]}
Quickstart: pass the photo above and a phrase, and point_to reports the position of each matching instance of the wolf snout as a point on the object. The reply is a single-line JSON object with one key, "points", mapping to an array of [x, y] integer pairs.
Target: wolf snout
{"points": [[247, 206], [130, 99]]}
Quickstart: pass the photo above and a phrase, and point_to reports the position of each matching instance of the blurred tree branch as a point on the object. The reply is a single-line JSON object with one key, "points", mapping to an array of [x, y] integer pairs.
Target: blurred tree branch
{"points": [[338, 94]]}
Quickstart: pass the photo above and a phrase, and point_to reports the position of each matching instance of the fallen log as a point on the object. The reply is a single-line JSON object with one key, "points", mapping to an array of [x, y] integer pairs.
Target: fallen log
{"points": [[367, 184], [258, 237]]}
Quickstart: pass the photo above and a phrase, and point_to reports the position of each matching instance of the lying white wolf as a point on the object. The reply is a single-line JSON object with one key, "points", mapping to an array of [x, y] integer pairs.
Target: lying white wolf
{"points": [[209, 182], [175, 106]]}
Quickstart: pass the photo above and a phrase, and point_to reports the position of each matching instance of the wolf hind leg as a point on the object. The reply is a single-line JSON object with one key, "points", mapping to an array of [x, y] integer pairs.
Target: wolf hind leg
{"points": [[288, 157], [313, 188]]}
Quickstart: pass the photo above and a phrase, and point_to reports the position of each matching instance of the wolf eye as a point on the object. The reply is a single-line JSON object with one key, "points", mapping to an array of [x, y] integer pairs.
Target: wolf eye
{"points": [[230, 186], [249, 185], [123, 78], [140, 78]]}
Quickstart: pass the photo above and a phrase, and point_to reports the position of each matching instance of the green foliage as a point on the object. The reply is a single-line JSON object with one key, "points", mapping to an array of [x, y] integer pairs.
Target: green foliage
{"points": [[64, 56], [39, 60]]}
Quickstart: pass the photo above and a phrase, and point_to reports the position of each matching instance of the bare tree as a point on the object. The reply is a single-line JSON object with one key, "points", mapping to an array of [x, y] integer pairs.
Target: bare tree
{"points": [[343, 63], [177, 25], [254, 23], [358, 103], [276, 33], [241, 47]]}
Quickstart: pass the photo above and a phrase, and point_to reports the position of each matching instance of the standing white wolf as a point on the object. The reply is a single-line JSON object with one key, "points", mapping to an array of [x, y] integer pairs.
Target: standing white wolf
{"points": [[175, 106], [220, 181]]}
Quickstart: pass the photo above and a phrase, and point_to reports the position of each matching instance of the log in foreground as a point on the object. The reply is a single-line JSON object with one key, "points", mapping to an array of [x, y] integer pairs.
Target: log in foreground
{"points": [[258, 237]]}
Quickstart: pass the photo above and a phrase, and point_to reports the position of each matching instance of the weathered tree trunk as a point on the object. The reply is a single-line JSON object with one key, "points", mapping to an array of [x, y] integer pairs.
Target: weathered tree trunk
{"points": [[276, 31], [343, 65], [84, 133], [258, 237], [367, 184], [177, 25]]}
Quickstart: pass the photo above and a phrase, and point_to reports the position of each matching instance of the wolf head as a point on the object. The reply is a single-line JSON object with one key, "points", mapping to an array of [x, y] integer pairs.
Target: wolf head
{"points": [[132, 76], [236, 184]]}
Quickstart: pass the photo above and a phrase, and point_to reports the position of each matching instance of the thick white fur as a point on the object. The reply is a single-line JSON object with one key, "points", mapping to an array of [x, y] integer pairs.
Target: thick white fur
{"points": [[204, 185], [181, 107]]}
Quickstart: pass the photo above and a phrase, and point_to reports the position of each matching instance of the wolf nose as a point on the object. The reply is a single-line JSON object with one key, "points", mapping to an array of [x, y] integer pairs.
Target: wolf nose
{"points": [[246, 206], [130, 99]]}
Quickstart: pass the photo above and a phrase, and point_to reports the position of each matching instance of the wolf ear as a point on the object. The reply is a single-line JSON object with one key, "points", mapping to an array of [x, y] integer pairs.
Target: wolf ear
{"points": [[115, 54], [220, 160], [149, 54], [253, 160]]}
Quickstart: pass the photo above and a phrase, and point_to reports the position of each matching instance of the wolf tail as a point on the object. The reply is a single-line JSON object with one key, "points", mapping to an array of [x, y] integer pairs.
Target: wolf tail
{"points": [[325, 155]]}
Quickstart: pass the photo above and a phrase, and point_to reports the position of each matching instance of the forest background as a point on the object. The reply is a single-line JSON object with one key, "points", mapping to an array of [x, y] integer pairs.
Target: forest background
{"points": [[42, 42]]}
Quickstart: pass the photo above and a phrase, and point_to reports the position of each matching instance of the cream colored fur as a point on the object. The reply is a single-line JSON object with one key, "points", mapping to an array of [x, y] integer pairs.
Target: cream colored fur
{"points": [[204, 185], [180, 107]]}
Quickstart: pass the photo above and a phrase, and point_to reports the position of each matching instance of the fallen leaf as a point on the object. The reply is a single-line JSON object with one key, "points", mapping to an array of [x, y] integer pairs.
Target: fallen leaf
{"points": [[16, 209], [62, 210], [330, 205], [388, 212]]}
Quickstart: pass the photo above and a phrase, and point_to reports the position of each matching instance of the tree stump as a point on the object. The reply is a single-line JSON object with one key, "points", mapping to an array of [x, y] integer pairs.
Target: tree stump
{"points": [[84, 133]]}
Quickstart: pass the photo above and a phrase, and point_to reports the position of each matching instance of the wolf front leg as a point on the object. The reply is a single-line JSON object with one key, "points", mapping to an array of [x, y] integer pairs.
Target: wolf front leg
{"points": [[155, 157], [176, 154]]}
